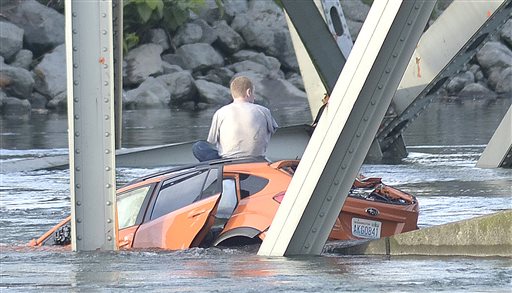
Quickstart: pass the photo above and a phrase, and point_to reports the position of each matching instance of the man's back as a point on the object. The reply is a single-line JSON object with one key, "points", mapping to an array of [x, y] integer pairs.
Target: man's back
{"points": [[242, 129]]}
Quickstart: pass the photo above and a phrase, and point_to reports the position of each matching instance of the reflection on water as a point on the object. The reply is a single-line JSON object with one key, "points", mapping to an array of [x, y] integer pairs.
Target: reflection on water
{"points": [[440, 170]]}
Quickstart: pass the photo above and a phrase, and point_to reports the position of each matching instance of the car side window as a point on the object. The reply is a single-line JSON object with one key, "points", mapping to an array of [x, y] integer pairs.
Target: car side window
{"points": [[228, 200], [129, 204], [183, 190], [251, 184]]}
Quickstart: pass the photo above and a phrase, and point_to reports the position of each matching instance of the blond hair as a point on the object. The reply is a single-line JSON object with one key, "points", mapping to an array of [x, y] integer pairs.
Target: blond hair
{"points": [[239, 86]]}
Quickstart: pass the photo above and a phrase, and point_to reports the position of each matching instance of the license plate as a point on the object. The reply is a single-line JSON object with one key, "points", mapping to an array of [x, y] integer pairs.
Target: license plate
{"points": [[363, 228]]}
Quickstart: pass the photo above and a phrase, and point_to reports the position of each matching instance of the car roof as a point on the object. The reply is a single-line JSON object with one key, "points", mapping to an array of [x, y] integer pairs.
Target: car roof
{"points": [[202, 165]]}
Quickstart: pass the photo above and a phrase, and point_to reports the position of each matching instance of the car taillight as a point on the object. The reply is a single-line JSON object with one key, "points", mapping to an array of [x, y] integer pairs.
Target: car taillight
{"points": [[279, 197]]}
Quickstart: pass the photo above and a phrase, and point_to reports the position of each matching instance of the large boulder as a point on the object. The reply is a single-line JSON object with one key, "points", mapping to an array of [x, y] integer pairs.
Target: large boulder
{"points": [[272, 65], [504, 84], [11, 38], [220, 76], [458, 82], [213, 93], [228, 39], [506, 32], [200, 56], [50, 73], [43, 26], [494, 54], [264, 27], [181, 86], [15, 106], [150, 94], [476, 91], [22, 59], [59, 102], [16, 82], [158, 36], [189, 33], [142, 62]]}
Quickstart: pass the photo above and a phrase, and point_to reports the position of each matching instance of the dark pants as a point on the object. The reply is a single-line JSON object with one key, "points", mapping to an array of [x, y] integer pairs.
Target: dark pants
{"points": [[204, 151]]}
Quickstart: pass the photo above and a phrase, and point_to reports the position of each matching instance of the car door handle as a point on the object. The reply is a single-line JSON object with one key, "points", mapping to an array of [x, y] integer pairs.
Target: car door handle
{"points": [[193, 214]]}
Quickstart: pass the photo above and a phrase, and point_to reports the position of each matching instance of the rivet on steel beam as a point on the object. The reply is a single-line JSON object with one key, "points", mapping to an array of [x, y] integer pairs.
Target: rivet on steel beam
{"points": [[77, 134], [313, 230], [105, 66], [329, 198], [103, 15], [75, 65], [108, 185], [343, 167], [77, 169], [107, 134], [109, 238], [75, 31], [306, 246], [78, 237], [74, 14], [321, 215], [402, 39], [107, 151], [77, 117], [78, 203], [105, 100], [365, 118], [372, 102], [75, 49], [388, 70], [104, 32], [380, 86], [358, 134], [104, 49], [79, 220], [351, 151], [409, 22], [75, 82], [108, 203], [109, 221], [336, 182], [395, 55], [106, 117], [107, 168], [105, 83], [77, 151]]}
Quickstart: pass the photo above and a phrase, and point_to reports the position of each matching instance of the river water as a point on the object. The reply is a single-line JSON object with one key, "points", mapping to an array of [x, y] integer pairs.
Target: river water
{"points": [[444, 145]]}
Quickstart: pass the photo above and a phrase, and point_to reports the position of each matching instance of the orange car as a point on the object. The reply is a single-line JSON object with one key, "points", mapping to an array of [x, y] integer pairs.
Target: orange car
{"points": [[233, 203]]}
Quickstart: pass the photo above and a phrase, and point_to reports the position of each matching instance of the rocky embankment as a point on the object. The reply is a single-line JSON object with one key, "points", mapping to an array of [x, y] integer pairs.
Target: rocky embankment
{"points": [[190, 68]]}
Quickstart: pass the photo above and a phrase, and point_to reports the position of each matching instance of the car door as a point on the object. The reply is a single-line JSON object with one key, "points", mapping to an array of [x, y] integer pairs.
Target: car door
{"points": [[181, 212]]}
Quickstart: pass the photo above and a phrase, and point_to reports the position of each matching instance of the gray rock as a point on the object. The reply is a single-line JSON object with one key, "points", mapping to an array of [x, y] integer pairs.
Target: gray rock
{"points": [[59, 102], [50, 73], [476, 91], [269, 33], [355, 10], [170, 68], [354, 27], [213, 93], [228, 39], [221, 76], [15, 106], [180, 85], [38, 101], [3, 96], [150, 94], [143, 62], [11, 38], [209, 35], [458, 82], [248, 66], [296, 80], [200, 56], [494, 54], [174, 59], [211, 12], [158, 36], [272, 64], [22, 59], [189, 33], [504, 85], [235, 7], [264, 6], [16, 82], [277, 90], [494, 77], [506, 32], [43, 26]]}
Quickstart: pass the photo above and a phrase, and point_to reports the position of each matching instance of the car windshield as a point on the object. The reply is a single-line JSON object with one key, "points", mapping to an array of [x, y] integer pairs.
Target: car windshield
{"points": [[128, 206]]}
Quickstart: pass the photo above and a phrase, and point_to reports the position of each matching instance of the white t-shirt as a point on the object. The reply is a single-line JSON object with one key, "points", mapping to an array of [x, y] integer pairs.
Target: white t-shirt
{"points": [[241, 129]]}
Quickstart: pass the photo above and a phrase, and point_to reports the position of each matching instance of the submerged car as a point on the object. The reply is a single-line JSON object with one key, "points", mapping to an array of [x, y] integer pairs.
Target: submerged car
{"points": [[233, 202]]}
